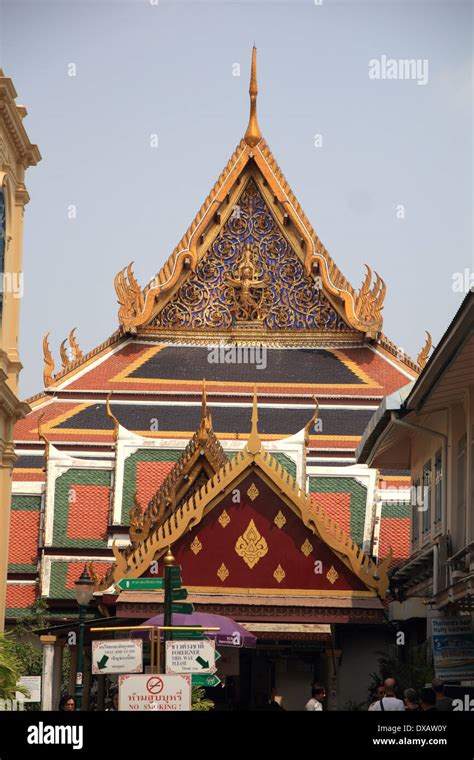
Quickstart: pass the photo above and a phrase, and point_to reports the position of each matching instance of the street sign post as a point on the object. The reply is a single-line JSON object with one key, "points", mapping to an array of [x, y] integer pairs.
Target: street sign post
{"points": [[190, 656], [117, 656]]}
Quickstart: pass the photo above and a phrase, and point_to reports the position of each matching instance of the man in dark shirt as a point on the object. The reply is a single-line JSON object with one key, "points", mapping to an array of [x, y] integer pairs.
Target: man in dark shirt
{"points": [[443, 703], [428, 700]]}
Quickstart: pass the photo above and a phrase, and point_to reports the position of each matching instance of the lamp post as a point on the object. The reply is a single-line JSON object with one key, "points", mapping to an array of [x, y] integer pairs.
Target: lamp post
{"points": [[84, 589]]}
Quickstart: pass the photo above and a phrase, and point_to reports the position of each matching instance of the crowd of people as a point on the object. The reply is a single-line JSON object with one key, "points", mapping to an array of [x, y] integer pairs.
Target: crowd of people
{"points": [[384, 699], [429, 699]]}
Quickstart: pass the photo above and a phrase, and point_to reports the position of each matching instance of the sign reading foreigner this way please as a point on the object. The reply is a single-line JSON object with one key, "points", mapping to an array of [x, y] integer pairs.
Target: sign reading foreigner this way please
{"points": [[117, 656], [190, 656]]}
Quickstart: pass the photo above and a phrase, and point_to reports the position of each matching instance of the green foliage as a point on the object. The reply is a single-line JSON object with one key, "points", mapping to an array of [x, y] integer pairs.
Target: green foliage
{"points": [[199, 701], [30, 656], [10, 669], [413, 672]]}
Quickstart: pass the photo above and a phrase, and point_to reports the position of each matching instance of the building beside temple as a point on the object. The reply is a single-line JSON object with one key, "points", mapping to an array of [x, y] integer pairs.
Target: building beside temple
{"points": [[16, 155], [194, 425], [429, 429]]}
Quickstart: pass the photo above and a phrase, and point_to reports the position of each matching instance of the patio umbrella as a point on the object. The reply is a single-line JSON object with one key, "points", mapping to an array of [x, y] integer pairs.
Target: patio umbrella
{"points": [[230, 633]]}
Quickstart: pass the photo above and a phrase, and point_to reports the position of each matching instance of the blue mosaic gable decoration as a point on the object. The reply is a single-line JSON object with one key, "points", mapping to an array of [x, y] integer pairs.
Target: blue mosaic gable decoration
{"points": [[250, 274]]}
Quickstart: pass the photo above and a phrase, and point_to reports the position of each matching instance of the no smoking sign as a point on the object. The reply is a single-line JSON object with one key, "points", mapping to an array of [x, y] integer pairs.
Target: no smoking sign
{"points": [[154, 685]]}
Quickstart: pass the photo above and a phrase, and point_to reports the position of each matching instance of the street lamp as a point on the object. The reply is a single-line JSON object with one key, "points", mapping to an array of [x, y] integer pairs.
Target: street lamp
{"points": [[84, 590]]}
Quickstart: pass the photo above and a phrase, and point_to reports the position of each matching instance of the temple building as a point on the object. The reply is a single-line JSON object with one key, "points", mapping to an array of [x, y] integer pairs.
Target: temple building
{"points": [[221, 419], [16, 154]]}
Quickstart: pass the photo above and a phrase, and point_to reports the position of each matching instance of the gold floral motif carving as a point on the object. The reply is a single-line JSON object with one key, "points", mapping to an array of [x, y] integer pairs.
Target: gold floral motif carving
{"points": [[250, 275], [224, 518], [306, 548], [332, 575], [196, 545], [279, 574], [253, 492], [251, 545], [280, 520], [222, 573]]}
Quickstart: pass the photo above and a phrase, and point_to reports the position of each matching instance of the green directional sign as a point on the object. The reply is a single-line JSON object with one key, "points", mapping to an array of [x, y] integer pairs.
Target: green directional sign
{"points": [[137, 584], [174, 571], [179, 593], [182, 608], [185, 635], [203, 680]]}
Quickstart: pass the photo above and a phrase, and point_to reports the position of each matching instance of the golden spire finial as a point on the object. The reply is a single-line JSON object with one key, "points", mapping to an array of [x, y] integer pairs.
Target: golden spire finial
{"points": [[253, 134], [204, 399], [206, 422], [254, 444]]}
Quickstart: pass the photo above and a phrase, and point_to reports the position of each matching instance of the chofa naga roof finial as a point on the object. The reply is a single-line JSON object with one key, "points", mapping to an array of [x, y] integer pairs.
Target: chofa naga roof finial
{"points": [[253, 134]]}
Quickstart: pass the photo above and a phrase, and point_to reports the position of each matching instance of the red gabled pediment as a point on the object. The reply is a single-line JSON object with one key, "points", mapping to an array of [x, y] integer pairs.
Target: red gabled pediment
{"points": [[252, 541]]}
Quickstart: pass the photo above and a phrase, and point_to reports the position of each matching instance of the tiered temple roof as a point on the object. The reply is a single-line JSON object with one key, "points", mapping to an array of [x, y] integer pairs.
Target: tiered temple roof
{"points": [[250, 296]]}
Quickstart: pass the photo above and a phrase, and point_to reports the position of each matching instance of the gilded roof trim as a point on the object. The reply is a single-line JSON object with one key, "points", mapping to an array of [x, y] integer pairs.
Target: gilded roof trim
{"points": [[362, 309], [192, 511]]}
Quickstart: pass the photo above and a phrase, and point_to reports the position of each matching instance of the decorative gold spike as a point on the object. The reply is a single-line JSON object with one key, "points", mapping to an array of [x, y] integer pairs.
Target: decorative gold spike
{"points": [[253, 135], [279, 574], [112, 416], [423, 355], [206, 422], [308, 424], [64, 355], [251, 545], [42, 435], [48, 363], [222, 573], [306, 548], [76, 351], [332, 575], [129, 295], [254, 443], [280, 519], [196, 545], [224, 518], [253, 492]]}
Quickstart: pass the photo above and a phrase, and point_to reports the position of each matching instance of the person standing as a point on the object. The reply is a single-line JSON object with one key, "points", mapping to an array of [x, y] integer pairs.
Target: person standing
{"points": [[379, 693], [67, 703], [428, 699], [388, 703], [443, 703], [318, 693], [410, 697]]}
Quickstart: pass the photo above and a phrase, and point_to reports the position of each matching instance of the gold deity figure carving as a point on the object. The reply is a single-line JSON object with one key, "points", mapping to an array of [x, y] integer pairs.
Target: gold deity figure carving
{"points": [[249, 290]]}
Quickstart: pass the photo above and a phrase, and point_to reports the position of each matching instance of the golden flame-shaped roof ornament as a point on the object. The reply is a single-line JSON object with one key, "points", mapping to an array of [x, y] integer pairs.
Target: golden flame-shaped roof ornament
{"points": [[423, 355], [253, 135], [112, 416]]}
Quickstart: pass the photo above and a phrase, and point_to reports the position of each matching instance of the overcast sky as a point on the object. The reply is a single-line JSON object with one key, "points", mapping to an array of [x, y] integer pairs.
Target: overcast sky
{"points": [[391, 184]]}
